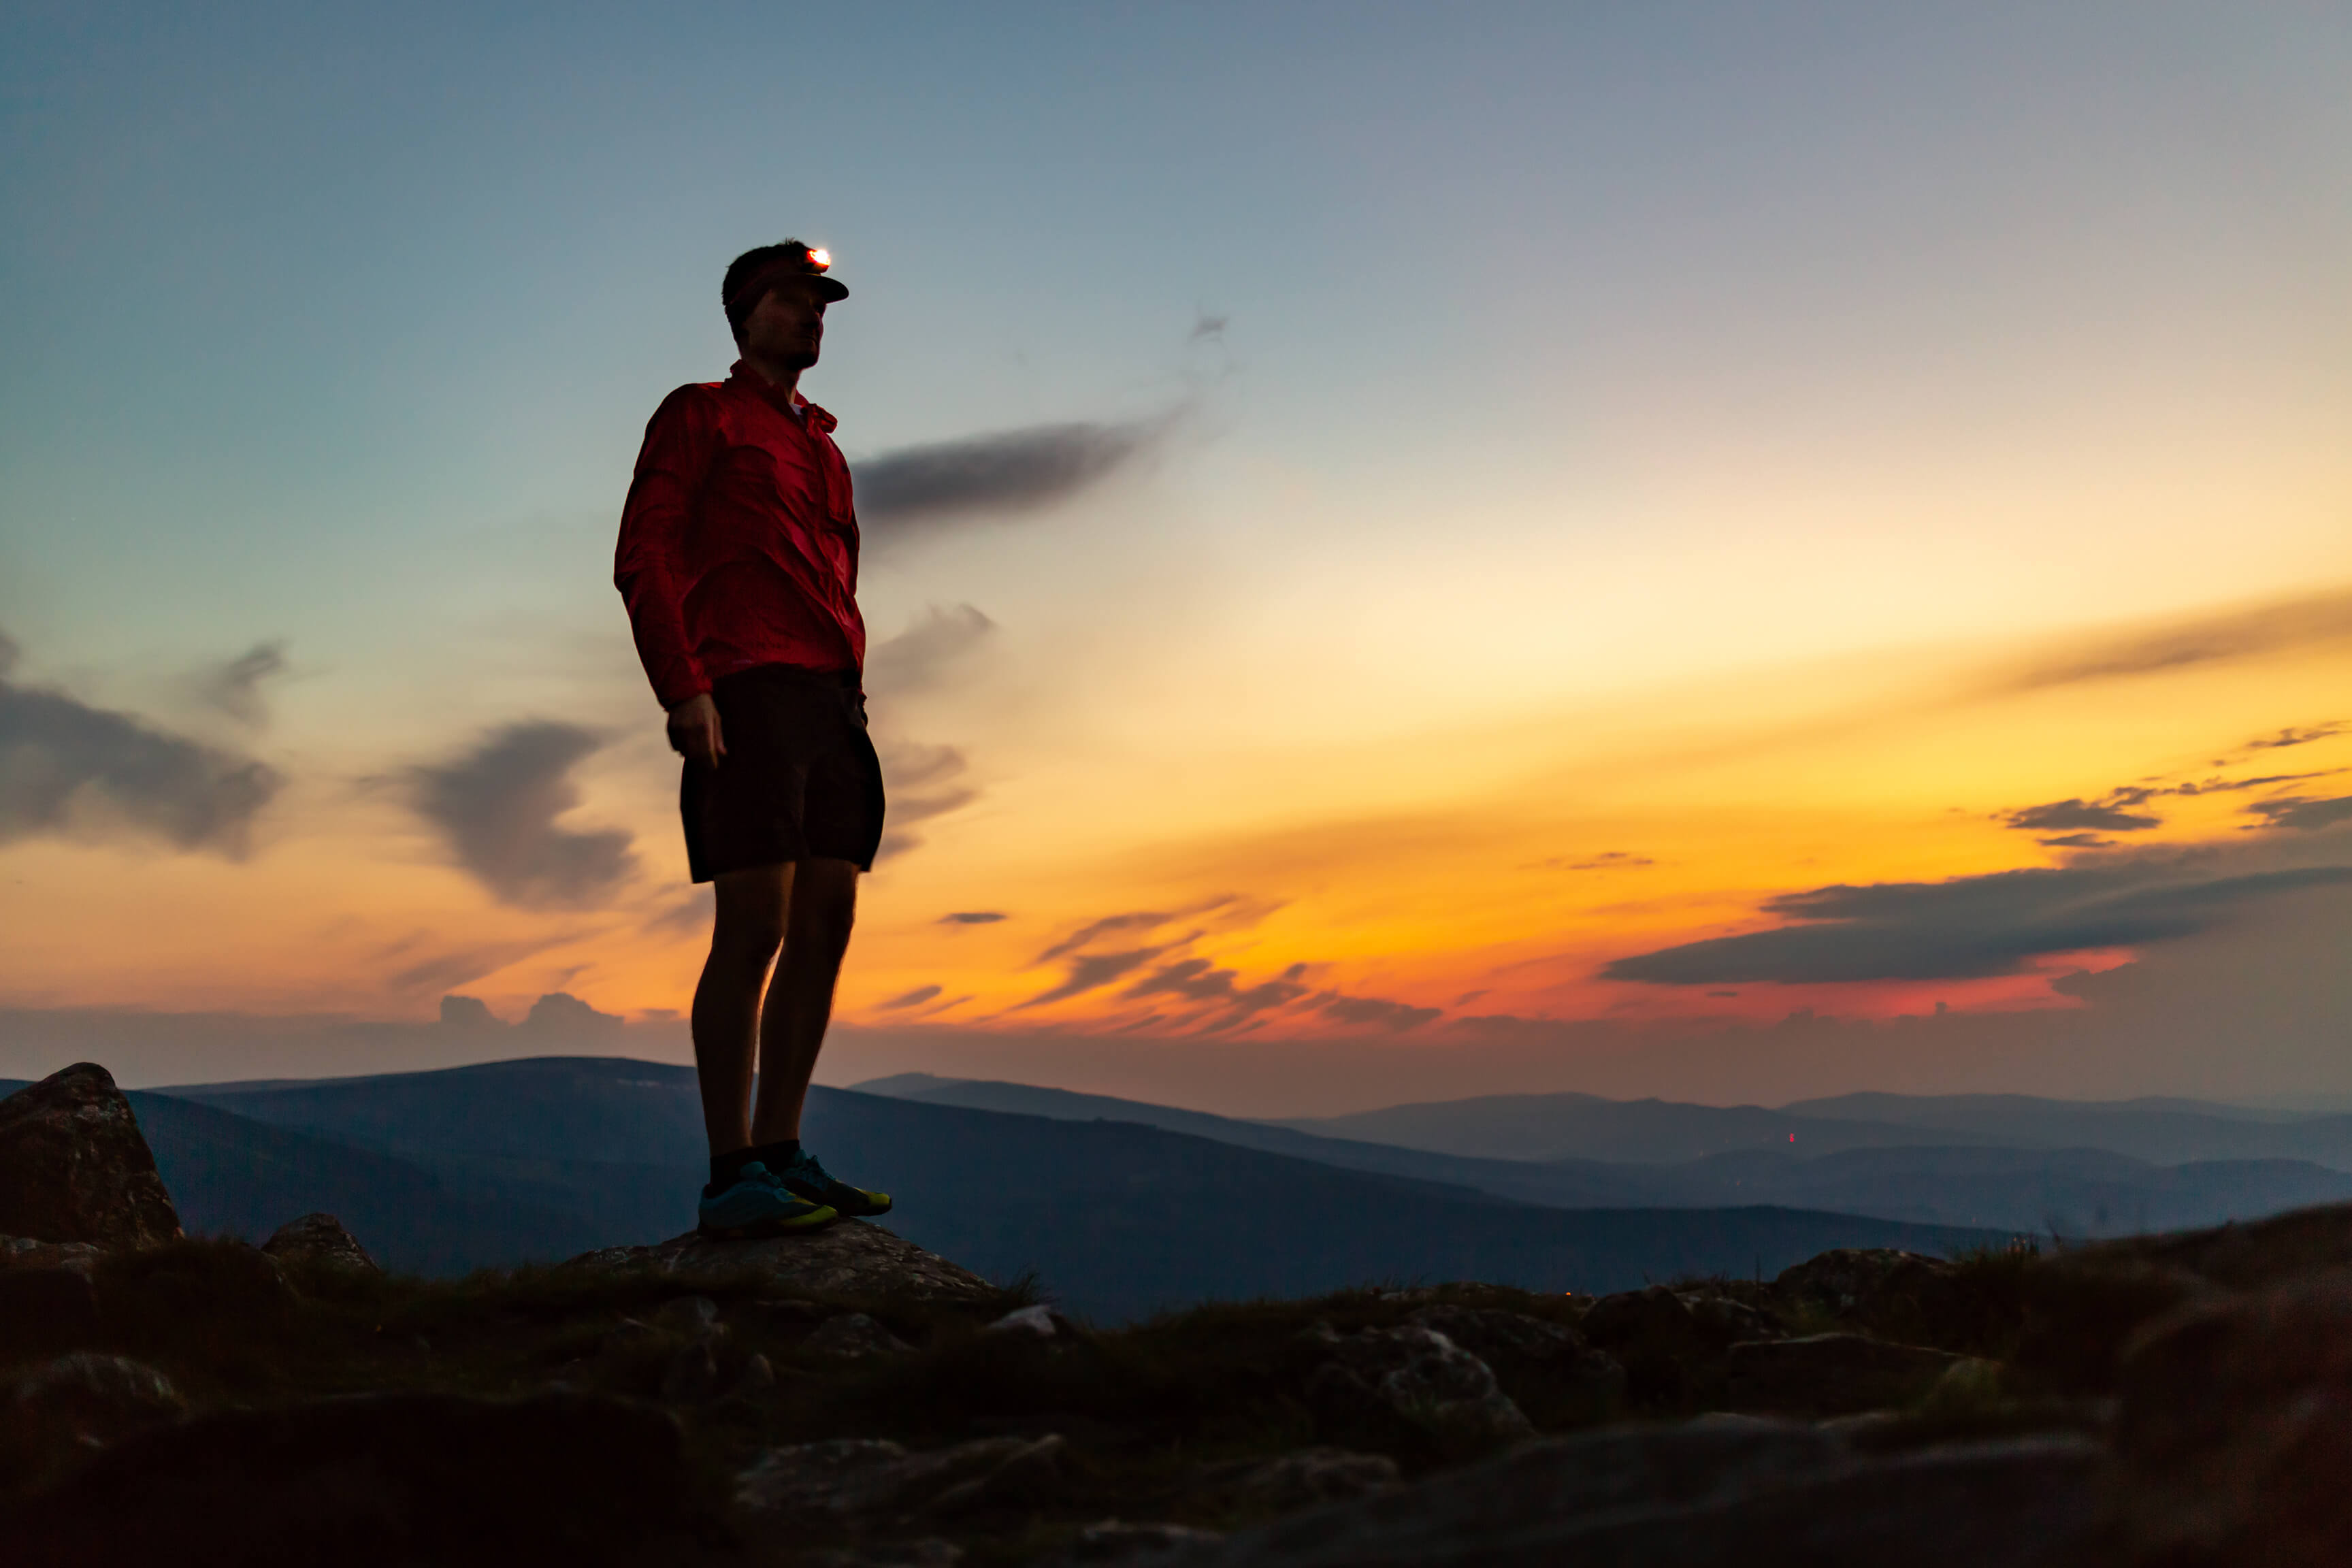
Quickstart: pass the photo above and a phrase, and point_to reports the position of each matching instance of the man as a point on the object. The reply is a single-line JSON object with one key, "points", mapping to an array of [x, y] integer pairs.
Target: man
{"points": [[737, 560]]}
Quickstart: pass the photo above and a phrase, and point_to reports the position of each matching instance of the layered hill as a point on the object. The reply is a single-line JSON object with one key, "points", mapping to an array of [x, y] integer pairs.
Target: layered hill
{"points": [[1972, 1162], [536, 1160]]}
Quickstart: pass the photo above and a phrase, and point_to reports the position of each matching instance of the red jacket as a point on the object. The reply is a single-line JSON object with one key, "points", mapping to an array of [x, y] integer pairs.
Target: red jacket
{"points": [[738, 541]]}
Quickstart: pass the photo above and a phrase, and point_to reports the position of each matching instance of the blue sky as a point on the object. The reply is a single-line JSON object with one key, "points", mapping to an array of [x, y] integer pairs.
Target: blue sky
{"points": [[1625, 371]]}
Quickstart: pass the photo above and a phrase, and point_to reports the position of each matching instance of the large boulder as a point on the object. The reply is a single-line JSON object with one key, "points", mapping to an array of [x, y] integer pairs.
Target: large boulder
{"points": [[1417, 1378], [853, 1258], [370, 1482], [74, 1167], [61, 1410], [1710, 1492], [319, 1239]]}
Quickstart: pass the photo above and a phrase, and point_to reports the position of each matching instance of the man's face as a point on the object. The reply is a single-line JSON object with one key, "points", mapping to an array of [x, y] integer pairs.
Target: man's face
{"points": [[786, 327]]}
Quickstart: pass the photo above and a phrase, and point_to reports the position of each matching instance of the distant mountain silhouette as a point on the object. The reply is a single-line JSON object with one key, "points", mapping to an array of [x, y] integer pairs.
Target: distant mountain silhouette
{"points": [[1117, 1218], [2075, 1192], [1583, 1126]]}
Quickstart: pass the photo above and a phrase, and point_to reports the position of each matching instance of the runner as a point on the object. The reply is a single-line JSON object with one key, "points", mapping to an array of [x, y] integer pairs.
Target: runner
{"points": [[738, 561]]}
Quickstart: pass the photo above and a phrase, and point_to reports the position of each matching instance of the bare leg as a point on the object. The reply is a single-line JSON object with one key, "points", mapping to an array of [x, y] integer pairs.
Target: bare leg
{"points": [[823, 906], [744, 937]]}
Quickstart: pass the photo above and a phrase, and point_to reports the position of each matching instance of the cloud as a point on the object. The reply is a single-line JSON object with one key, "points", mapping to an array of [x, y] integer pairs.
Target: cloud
{"points": [[234, 688], [2302, 736], [1607, 860], [2274, 627], [68, 768], [973, 918], [560, 1012], [1136, 920], [1968, 927], [2295, 811], [2059, 815], [1196, 980], [2076, 841], [919, 657], [902, 492], [498, 804], [1091, 972], [915, 998]]}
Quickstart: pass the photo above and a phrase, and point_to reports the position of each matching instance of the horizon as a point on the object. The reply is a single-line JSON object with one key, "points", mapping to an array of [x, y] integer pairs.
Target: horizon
{"points": [[1672, 553]]}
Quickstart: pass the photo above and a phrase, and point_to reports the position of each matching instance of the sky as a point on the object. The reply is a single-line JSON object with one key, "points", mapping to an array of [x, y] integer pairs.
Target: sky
{"points": [[1700, 550]]}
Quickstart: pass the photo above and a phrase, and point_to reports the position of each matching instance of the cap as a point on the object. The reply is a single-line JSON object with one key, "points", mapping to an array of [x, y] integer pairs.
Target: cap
{"points": [[812, 262]]}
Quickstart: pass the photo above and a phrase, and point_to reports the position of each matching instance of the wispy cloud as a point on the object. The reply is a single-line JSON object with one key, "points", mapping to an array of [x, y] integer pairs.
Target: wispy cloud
{"points": [[1966, 927], [2206, 639], [67, 768], [234, 686], [913, 489], [926, 653], [973, 918], [498, 803], [2297, 811], [2109, 815]]}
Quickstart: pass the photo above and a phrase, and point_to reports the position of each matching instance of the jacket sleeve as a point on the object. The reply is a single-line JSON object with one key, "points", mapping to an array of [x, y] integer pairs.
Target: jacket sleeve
{"points": [[648, 566]]}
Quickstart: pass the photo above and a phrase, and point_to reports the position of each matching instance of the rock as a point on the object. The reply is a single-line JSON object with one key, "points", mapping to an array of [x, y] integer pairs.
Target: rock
{"points": [[74, 1166], [1302, 1480], [758, 1377], [1419, 1377], [1831, 1374], [853, 1336], [47, 1309], [320, 1239], [1115, 1543], [2235, 1427], [692, 1376], [24, 1252], [868, 1480], [696, 1316], [1039, 1322], [1651, 1316], [64, 1407], [1490, 1333], [368, 1481], [1893, 1293], [1655, 1338], [1725, 1320], [1704, 1494], [853, 1258]]}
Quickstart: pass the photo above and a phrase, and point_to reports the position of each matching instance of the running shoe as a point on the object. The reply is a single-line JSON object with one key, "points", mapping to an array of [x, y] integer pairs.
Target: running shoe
{"points": [[756, 1203], [814, 1181]]}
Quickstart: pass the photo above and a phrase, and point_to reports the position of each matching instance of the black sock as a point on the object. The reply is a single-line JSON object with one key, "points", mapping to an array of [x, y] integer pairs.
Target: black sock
{"points": [[726, 1168], [776, 1155]]}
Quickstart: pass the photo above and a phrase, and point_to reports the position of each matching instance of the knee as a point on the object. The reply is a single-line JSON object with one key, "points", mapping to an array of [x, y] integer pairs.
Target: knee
{"points": [[825, 918], [751, 938]]}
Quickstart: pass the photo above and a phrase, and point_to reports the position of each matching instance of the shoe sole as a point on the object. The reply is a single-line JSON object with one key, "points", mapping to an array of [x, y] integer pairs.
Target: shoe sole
{"points": [[765, 1228]]}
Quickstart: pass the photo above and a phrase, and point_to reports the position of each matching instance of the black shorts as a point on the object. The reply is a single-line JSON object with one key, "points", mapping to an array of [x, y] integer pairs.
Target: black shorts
{"points": [[799, 778]]}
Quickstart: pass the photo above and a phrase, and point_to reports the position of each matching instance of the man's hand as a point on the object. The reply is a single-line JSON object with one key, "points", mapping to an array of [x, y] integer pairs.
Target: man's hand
{"points": [[694, 731]]}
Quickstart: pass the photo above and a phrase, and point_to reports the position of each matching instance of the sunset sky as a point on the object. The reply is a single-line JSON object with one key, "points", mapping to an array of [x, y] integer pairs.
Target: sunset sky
{"points": [[1706, 550]]}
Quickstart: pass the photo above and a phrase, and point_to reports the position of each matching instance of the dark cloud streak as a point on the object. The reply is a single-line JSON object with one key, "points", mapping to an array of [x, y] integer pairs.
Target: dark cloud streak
{"points": [[906, 491], [497, 805], [69, 768], [1964, 928]]}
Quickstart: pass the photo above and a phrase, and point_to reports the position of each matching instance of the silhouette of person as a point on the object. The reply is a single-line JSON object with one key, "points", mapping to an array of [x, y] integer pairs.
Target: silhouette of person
{"points": [[738, 561]]}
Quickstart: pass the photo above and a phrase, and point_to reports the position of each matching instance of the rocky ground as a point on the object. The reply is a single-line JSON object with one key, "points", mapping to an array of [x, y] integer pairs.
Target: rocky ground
{"points": [[847, 1398]]}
